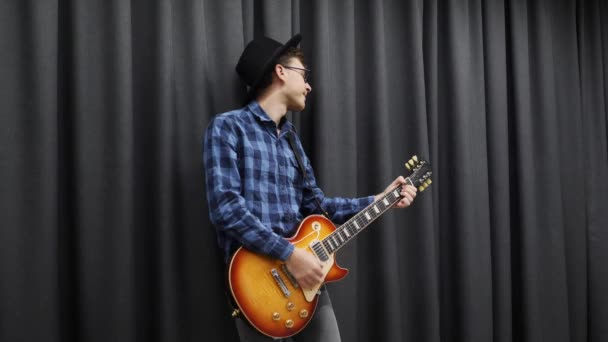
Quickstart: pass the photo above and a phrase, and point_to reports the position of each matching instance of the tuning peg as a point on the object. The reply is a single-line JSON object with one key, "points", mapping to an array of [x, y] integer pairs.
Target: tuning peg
{"points": [[427, 182], [411, 162], [407, 166], [421, 188], [415, 158]]}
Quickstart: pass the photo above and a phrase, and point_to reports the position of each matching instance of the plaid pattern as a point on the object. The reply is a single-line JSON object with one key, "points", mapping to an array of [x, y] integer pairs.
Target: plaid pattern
{"points": [[255, 192]]}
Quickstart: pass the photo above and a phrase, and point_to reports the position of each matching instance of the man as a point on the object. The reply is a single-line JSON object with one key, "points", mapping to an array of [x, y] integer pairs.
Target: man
{"points": [[256, 192]]}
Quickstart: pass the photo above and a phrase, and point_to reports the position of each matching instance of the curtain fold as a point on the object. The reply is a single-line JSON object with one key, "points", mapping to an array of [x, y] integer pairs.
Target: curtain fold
{"points": [[104, 233]]}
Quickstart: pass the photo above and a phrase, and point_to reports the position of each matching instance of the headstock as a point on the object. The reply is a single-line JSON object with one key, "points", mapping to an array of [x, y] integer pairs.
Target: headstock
{"points": [[421, 172]]}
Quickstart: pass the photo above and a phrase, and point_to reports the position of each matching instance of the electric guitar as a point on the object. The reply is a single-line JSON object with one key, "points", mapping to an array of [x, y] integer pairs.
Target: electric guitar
{"points": [[267, 294]]}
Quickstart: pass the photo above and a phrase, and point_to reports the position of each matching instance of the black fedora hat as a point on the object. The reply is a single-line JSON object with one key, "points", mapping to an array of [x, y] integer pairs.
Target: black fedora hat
{"points": [[259, 56]]}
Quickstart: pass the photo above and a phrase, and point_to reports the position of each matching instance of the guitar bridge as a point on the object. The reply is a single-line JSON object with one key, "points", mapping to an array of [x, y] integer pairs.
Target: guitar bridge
{"points": [[290, 276], [280, 282]]}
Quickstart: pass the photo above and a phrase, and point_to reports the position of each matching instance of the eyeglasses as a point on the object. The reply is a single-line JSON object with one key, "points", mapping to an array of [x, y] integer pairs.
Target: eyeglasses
{"points": [[304, 75]]}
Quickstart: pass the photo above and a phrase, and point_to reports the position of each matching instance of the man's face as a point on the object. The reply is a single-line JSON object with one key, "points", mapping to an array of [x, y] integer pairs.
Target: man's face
{"points": [[296, 86]]}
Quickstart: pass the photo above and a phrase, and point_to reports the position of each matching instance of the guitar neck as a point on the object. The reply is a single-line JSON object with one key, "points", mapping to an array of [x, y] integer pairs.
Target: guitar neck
{"points": [[346, 232]]}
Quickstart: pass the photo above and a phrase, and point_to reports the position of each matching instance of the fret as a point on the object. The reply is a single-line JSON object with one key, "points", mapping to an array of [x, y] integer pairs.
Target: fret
{"points": [[385, 201], [367, 216], [330, 244], [396, 193], [335, 241], [377, 210], [331, 247], [340, 236], [346, 232], [356, 225]]}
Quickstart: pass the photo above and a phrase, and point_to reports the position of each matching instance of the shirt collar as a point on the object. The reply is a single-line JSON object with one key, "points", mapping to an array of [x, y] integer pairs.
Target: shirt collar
{"points": [[257, 111]]}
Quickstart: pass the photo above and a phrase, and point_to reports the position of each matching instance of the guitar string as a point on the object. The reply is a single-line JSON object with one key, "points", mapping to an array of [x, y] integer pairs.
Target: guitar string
{"points": [[359, 219]]}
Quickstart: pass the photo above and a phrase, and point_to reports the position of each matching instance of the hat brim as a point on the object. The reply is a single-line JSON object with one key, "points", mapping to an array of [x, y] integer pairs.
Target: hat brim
{"points": [[293, 42]]}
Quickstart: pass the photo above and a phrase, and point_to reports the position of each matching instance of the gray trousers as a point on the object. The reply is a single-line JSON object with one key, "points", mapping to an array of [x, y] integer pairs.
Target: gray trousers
{"points": [[322, 328]]}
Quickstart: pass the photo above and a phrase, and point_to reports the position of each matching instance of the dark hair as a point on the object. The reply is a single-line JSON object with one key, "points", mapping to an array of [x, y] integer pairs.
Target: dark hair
{"points": [[292, 52]]}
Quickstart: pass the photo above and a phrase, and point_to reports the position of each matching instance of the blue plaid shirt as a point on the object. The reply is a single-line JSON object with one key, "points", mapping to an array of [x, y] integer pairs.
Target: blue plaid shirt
{"points": [[255, 192]]}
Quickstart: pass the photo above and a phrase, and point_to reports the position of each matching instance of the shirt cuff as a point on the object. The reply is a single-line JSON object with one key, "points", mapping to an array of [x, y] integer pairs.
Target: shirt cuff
{"points": [[284, 249], [363, 202]]}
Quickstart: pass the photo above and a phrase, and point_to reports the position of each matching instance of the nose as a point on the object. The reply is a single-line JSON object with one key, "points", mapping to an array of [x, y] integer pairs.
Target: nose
{"points": [[308, 88]]}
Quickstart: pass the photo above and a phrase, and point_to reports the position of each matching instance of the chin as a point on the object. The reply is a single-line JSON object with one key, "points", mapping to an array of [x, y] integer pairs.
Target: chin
{"points": [[298, 107]]}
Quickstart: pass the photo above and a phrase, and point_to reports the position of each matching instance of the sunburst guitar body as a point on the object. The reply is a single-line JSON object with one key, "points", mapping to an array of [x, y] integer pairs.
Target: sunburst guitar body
{"points": [[267, 294]]}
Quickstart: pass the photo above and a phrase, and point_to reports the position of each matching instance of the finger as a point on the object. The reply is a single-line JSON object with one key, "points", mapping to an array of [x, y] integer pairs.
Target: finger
{"points": [[410, 191], [313, 279], [307, 284], [411, 188], [302, 281], [404, 202], [406, 191]]}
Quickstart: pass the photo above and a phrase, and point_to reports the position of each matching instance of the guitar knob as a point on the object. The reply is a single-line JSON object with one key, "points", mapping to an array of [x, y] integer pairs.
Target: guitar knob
{"points": [[289, 323], [303, 313], [290, 306], [276, 316]]}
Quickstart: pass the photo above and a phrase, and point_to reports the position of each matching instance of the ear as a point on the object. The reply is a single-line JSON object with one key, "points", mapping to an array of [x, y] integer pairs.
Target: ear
{"points": [[279, 72]]}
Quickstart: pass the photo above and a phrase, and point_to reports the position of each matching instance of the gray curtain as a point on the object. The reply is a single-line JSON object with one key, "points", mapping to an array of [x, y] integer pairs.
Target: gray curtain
{"points": [[104, 234]]}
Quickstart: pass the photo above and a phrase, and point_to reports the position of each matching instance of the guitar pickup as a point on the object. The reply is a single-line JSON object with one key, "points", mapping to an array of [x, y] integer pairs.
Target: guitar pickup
{"points": [[280, 282]]}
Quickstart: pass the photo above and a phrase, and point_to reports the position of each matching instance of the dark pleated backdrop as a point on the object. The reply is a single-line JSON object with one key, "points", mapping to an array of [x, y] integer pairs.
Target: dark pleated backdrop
{"points": [[104, 232]]}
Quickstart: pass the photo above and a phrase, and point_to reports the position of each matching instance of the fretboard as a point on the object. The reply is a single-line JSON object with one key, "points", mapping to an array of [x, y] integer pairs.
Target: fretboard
{"points": [[357, 223]]}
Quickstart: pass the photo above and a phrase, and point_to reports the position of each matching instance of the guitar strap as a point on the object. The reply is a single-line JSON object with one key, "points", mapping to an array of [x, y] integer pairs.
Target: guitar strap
{"points": [[292, 143]]}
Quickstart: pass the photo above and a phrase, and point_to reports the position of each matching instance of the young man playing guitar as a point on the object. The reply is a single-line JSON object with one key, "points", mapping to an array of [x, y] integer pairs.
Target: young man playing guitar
{"points": [[256, 191]]}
